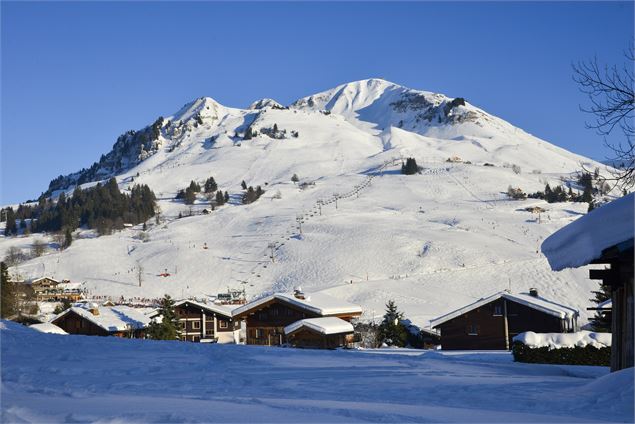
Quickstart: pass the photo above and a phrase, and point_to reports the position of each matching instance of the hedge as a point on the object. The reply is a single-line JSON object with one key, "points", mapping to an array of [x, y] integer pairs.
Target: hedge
{"points": [[587, 355]]}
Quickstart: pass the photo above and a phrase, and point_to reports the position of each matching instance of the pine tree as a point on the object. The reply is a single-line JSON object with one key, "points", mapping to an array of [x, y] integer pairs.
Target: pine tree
{"points": [[194, 187], [295, 178], [601, 321], [548, 194], [410, 167], [243, 184], [248, 134], [226, 197], [190, 196], [275, 128], [10, 226], [392, 331], [169, 327], [210, 185], [8, 304], [219, 198], [68, 238]]}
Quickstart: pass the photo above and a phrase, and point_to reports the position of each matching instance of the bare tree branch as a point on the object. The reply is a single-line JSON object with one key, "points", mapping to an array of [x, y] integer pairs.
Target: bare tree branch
{"points": [[612, 102]]}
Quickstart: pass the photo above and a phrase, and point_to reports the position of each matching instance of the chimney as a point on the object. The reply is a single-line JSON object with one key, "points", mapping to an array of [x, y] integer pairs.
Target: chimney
{"points": [[533, 292], [94, 309], [297, 292]]}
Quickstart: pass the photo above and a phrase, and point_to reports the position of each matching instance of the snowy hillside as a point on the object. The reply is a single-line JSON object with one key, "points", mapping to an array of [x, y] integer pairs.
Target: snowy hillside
{"points": [[432, 241]]}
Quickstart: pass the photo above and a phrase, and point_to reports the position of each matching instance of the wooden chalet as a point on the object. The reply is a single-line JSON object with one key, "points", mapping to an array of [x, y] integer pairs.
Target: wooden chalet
{"points": [[44, 283], [604, 236], [48, 289], [492, 322], [93, 320], [266, 319], [319, 333], [207, 323]]}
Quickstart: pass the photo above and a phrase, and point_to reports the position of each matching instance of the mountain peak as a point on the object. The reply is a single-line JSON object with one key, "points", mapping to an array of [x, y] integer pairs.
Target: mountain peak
{"points": [[202, 106], [265, 103]]}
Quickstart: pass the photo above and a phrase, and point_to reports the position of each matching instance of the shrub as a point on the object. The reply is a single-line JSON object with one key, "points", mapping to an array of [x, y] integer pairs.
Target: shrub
{"points": [[516, 193], [587, 355]]}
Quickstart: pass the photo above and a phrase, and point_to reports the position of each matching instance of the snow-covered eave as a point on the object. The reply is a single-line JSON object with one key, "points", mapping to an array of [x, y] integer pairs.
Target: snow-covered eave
{"points": [[558, 311], [585, 239], [458, 312], [327, 328], [92, 318], [209, 307], [353, 309]]}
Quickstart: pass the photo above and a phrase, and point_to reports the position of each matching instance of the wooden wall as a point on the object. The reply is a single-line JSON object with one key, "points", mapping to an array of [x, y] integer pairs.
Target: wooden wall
{"points": [[73, 323], [490, 327]]}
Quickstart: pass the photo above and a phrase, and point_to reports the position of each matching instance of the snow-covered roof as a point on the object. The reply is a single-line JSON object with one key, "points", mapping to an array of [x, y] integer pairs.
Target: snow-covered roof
{"points": [[584, 239], [36, 280], [534, 302], [212, 307], [47, 327], [318, 303], [111, 318], [558, 340], [325, 325]]}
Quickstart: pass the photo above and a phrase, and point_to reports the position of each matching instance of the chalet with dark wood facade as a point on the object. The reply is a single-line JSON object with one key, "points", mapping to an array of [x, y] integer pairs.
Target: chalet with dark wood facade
{"points": [[319, 333], [207, 323], [266, 319], [94, 320], [604, 236], [492, 322]]}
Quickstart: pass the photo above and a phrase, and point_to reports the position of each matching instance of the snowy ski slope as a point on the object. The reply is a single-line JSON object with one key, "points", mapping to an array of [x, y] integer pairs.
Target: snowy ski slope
{"points": [[432, 242]]}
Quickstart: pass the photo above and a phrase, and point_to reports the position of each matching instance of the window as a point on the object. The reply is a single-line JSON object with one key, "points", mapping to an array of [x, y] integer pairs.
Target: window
{"points": [[472, 330], [196, 325], [182, 325], [258, 333], [196, 339], [222, 324], [498, 310]]}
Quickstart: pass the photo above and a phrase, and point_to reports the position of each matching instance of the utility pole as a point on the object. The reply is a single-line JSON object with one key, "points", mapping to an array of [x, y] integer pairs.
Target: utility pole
{"points": [[336, 195], [139, 273], [506, 324], [319, 203], [272, 246], [298, 219]]}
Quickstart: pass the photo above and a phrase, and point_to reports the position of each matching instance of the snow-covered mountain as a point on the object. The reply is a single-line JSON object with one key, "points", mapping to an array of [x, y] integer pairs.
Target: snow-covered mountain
{"points": [[432, 241]]}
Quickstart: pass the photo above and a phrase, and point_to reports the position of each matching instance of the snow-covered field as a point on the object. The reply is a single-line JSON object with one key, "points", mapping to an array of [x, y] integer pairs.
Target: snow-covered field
{"points": [[55, 378], [433, 242]]}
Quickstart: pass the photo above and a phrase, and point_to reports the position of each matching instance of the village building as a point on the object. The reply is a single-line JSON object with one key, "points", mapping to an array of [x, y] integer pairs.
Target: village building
{"points": [[268, 320], [492, 322], [206, 322], [604, 236], [323, 333], [44, 283], [93, 320], [46, 289]]}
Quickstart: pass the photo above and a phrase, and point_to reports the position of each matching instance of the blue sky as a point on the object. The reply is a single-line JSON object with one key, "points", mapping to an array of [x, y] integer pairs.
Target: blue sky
{"points": [[76, 75]]}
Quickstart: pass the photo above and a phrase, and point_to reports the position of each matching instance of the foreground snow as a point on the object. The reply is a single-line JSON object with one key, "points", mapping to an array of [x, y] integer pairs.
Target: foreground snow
{"points": [[51, 378]]}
